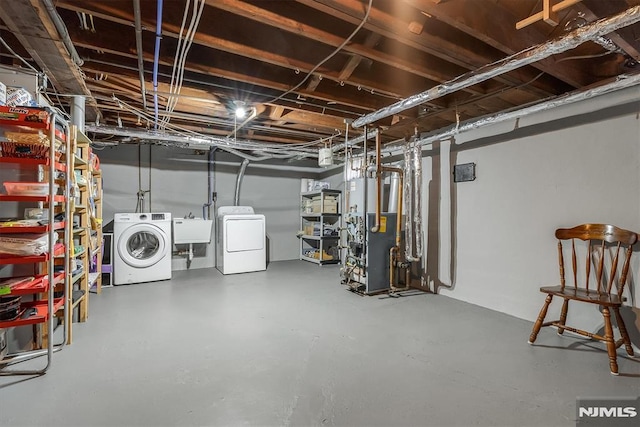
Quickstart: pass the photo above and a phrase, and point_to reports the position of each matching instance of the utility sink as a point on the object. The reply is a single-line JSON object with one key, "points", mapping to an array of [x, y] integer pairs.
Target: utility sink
{"points": [[191, 230]]}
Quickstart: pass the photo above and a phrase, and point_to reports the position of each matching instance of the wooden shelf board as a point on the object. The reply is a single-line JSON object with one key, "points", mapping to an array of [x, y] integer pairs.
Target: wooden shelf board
{"points": [[93, 278]]}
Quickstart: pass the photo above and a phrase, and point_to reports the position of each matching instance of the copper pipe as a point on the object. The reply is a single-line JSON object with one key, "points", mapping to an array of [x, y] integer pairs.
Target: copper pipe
{"points": [[379, 170], [376, 227], [392, 258]]}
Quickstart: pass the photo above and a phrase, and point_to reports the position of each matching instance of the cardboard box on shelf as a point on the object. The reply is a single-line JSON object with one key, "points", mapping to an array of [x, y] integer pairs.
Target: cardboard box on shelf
{"points": [[330, 204]]}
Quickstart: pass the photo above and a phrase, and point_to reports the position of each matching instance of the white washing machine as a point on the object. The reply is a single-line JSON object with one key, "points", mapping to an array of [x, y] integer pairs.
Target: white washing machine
{"points": [[241, 240], [142, 247]]}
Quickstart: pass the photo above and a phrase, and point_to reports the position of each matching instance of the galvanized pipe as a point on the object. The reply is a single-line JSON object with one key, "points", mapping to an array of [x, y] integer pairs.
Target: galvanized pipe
{"points": [[393, 255], [510, 63], [138, 25], [364, 137], [62, 30], [156, 62], [243, 167], [206, 208]]}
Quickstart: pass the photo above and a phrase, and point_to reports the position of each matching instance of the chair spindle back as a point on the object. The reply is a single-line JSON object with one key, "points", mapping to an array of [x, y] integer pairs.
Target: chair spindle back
{"points": [[605, 234]]}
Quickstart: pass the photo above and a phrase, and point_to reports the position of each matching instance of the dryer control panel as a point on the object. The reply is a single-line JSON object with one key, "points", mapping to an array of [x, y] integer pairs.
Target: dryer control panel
{"points": [[235, 210]]}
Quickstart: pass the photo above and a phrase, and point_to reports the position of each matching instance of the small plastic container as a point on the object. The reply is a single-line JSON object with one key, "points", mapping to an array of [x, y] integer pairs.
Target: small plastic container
{"points": [[29, 188]]}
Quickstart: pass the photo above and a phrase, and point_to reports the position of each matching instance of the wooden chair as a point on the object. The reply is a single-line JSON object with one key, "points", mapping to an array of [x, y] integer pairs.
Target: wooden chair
{"points": [[603, 241]]}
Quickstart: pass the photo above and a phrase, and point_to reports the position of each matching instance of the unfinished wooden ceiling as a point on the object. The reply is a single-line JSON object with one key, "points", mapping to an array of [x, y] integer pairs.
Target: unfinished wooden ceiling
{"points": [[271, 56]]}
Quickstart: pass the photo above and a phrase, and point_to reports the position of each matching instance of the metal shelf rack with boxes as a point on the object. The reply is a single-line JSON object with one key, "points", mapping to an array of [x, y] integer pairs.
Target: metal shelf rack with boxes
{"points": [[320, 226], [33, 283]]}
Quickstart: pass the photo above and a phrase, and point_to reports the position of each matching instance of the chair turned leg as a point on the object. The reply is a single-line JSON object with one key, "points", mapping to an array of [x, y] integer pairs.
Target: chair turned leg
{"points": [[623, 331], [563, 316], [611, 346], [541, 316]]}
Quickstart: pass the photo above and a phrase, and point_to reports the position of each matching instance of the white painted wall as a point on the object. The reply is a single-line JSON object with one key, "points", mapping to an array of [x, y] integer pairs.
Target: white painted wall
{"points": [[179, 185], [556, 173]]}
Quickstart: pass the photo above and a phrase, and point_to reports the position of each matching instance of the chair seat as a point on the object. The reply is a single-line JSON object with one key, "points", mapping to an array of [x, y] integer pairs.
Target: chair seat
{"points": [[580, 294]]}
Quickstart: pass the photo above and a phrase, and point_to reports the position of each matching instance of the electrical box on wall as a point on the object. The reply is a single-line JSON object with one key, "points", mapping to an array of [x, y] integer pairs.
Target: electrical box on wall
{"points": [[464, 172]]}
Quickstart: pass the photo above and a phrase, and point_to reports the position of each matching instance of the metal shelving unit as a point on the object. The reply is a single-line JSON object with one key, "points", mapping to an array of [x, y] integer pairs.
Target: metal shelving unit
{"points": [[320, 226], [46, 282]]}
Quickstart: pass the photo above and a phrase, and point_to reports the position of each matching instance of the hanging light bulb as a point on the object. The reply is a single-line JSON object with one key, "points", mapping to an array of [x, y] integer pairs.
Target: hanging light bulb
{"points": [[240, 111]]}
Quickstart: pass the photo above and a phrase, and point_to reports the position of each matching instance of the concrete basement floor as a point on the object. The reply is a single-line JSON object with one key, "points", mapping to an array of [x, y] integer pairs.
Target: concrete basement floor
{"points": [[291, 347]]}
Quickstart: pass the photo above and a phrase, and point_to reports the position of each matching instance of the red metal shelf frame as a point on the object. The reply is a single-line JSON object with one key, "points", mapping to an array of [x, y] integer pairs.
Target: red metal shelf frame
{"points": [[5, 259], [39, 284], [59, 166], [41, 316], [33, 229]]}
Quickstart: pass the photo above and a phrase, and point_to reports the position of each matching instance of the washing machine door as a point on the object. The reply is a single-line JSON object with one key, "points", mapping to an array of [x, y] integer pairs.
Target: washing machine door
{"points": [[142, 245]]}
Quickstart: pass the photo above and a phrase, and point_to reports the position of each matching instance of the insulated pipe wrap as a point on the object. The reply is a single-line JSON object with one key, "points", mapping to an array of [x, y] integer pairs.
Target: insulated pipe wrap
{"points": [[510, 63], [408, 227], [417, 197], [622, 81]]}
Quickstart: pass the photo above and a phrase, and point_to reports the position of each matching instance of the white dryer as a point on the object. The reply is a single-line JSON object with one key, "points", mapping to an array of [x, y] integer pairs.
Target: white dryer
{"points": [[241, 240], [142, 247]]}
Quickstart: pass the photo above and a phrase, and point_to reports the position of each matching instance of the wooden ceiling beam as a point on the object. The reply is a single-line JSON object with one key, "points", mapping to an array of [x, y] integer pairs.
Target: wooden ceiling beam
{"points": [[265, 16], [479, 21], [169, 30], [358, 103], [311, 119], [463, 52], [355, 60]]}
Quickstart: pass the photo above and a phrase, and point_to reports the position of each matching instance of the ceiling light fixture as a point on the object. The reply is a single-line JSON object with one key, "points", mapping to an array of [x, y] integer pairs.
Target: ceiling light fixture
{"points": [[240, 110]]}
